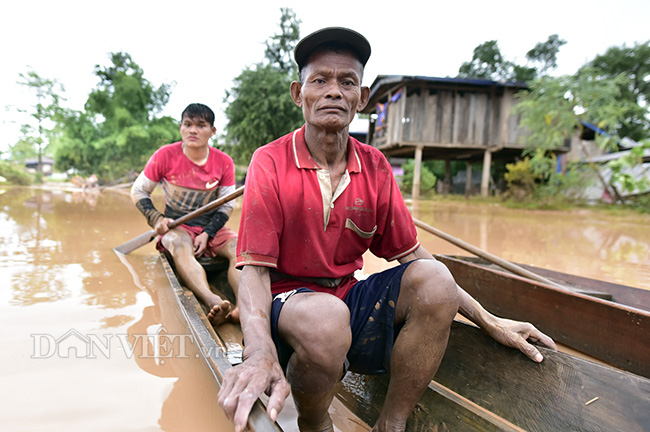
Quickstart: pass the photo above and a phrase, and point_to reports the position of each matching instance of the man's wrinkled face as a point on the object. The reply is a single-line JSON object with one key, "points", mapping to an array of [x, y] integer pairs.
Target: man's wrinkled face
{"points": [[330, 93]]}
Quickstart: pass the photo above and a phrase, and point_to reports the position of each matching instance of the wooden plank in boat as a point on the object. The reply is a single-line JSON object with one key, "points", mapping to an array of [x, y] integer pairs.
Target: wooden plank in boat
{"points": [[552, 395], [503, 390], [614, 333]]}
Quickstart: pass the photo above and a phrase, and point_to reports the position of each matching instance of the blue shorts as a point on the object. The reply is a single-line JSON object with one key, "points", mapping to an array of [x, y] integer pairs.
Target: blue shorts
{"points": [[372, 305]]}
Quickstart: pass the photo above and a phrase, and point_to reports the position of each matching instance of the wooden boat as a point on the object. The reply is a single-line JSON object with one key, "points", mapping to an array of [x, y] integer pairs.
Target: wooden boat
{"points": [[616, 331], [480, 386]]}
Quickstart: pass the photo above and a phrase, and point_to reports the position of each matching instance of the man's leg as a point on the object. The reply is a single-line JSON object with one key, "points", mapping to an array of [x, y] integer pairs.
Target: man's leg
{"points": [[180, 246], [317, 327], [229, 251], [427, 304]]}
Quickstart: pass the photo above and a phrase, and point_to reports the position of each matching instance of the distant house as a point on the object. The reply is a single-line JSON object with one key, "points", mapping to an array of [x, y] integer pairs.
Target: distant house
{"points": [[597, 191], [47, 165], [445, 119]]}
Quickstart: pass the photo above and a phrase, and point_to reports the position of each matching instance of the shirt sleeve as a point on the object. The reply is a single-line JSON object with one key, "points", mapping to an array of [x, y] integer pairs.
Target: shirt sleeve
{"points": [[261, 222], [228, 178], [221, 216], [155, 167], [228, 207]]}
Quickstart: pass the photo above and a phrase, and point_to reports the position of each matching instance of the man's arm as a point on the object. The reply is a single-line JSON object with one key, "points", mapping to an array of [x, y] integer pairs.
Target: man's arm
{"points": [[260, 371], [218, 220], [511, 333], [222, 214], [141, 196]]}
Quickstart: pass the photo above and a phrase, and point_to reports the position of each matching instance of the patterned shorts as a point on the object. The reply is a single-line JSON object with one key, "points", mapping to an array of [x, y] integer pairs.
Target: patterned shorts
{"points": [[372, 305]]}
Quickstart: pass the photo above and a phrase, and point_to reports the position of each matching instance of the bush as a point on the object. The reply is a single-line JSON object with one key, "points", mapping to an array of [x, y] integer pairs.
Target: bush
{"points": [[521, 180], [427, 178], [641, 203], [15, 174], [567, 187], [534, 179]]}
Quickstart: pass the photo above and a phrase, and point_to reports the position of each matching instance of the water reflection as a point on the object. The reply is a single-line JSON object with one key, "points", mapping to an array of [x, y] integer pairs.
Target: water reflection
{"points": [[192, 402], [616, 249], [56, 244], [60, 273]]}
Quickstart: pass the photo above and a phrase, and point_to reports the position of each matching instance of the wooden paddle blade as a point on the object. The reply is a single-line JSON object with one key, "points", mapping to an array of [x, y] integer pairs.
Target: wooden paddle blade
{"points": [[136, 243]]}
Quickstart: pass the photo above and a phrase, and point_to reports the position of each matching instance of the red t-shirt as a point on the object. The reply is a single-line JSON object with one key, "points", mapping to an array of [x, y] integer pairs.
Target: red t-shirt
{"points": [[188, 186], [291, 223]]}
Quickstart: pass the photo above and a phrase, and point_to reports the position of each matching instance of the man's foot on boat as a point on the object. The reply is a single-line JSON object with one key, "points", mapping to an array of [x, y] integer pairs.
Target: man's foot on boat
{"points": [[221, 313], [234, 315]]}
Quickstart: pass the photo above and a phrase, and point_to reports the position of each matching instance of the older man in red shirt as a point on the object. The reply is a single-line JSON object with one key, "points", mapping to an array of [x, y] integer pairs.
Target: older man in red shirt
{"points": [[315, 201]]}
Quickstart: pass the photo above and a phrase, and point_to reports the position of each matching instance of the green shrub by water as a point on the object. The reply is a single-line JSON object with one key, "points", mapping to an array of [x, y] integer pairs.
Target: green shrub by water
{"points": [[15, 174]]}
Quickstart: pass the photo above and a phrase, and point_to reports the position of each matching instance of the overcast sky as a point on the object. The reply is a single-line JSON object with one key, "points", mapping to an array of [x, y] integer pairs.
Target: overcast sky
{"points": [[201, 46]]}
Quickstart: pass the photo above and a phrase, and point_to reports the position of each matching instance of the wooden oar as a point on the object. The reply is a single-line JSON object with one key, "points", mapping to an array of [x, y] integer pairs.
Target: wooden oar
{"points": [[145, 238], [518, 270]]}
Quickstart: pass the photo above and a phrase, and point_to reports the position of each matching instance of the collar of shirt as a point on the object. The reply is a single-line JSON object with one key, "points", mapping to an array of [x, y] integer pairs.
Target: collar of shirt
{"points": [[304, 160]]}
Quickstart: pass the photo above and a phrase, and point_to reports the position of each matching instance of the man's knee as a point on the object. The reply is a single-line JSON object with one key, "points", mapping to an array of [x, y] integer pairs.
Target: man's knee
{"points": [[229, 250], [324, 338], [177, 241], [429, 284]]}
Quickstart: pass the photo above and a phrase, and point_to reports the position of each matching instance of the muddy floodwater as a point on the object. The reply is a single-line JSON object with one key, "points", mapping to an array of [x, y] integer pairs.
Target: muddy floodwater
{"points": [[78, 327]]}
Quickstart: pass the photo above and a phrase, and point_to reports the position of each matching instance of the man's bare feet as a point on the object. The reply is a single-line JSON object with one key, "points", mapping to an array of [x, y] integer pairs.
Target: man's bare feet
{"points": [[223, 312], [219, 313], [234, 315]]}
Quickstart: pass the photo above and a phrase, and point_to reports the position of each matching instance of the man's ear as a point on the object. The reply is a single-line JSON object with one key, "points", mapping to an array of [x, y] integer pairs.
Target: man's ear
{"points": [[363, 100], [296, 87]]}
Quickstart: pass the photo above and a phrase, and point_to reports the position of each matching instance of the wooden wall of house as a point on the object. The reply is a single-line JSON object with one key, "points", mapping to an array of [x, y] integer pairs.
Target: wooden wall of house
{"points": [[453, 117]]}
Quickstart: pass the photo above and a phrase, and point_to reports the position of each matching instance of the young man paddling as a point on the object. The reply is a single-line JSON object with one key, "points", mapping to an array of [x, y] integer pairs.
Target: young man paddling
{"points": [[193, 174], [315, 201]]}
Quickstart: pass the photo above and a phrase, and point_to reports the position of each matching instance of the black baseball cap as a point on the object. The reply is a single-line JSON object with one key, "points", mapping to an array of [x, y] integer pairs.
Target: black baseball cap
{"points": [[350, 39]]}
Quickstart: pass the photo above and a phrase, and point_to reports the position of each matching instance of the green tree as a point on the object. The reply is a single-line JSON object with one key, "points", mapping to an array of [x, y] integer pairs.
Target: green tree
{"points": [[279, 47], [37, 135], [634, 63], [259, 105], [488, 63], [119, 128], [544, 54], [124, 97], [553, 109]]}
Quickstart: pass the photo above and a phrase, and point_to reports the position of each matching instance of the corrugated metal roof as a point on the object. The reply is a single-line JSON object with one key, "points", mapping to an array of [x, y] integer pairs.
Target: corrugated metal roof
{"points": [[613, 156]]}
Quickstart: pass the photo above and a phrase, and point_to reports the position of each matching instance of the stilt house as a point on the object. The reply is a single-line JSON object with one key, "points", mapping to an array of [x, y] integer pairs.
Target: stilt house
{"points": [[445, 119]]}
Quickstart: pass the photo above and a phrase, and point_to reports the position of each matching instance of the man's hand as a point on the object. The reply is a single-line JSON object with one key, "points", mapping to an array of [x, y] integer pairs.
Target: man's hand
{"points": [[244, 383], [516, 334], [162, 226], [200, 244]]}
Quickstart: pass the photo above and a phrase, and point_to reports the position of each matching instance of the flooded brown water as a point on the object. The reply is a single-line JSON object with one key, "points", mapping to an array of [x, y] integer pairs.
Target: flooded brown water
{"points": [[70, 311]]}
